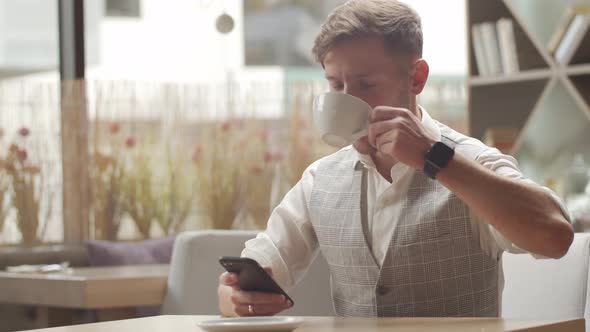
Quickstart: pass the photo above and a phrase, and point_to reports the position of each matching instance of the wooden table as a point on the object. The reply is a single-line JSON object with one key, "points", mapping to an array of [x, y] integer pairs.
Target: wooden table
{"points": [[325, 324], [112, 290]]}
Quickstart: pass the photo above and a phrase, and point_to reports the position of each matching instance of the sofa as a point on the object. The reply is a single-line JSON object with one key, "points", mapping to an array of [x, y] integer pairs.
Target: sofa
{"points": [[534, 288], [194, 276]]}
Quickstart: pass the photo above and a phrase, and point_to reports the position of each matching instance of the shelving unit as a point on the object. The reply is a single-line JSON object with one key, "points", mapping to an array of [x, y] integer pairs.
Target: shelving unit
{"points": [[528, 75], [548, 102]]}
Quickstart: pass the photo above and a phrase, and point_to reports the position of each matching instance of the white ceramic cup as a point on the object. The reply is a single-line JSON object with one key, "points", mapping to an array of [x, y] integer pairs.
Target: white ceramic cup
{"points": [[340, 118]]}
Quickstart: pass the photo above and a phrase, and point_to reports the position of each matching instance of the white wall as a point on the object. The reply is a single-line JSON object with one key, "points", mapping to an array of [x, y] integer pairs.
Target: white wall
{"points": [[445, 45], [177, 41], [174, 40]]}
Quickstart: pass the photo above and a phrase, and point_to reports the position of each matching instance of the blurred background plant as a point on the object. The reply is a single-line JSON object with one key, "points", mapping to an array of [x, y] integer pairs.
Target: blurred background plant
{"points": [[140, 199], [142, 181], [219, 169], [303, 144], [177, 194], [4, 195], [4, 190], [262, 173], [131, 181], [106, 174], [27, 190]]}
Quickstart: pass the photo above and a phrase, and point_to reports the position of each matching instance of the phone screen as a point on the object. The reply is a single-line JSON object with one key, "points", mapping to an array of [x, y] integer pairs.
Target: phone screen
{"points": [[252, 277]]}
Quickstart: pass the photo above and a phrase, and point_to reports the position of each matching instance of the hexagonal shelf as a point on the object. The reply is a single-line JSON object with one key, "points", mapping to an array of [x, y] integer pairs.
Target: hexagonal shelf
{"points": [[548, 102]]}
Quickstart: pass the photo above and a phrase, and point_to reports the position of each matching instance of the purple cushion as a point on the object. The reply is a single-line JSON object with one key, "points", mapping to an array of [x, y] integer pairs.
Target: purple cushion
{"points": [[108, 253]]}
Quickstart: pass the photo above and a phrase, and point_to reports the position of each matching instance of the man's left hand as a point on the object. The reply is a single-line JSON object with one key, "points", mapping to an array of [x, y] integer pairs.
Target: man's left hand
{"points": [[399, 133]]}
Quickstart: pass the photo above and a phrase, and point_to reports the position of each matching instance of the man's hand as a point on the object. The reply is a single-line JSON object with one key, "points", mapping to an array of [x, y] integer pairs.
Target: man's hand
{"points": [[399, 133], [234, 301]]}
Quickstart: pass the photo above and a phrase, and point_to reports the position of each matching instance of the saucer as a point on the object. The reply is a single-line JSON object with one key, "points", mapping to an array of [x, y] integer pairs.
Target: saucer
{"points": [[251, 324]]}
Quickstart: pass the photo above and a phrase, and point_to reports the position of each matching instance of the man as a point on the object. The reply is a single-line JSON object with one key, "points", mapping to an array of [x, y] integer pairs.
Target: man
{"points": [[412, 219]]}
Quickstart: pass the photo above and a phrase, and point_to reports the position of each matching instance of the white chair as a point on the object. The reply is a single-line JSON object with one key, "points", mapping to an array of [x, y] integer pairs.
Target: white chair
{"points": [[548, 288], [195, 270]]}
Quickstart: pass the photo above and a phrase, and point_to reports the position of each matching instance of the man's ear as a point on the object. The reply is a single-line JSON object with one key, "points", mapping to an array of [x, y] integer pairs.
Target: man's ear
{"points": [[419, 76]]}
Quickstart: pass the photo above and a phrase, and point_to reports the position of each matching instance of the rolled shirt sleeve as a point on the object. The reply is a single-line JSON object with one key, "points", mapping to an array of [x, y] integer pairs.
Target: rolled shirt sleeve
{"points": [[492, 240], [289, 244]]}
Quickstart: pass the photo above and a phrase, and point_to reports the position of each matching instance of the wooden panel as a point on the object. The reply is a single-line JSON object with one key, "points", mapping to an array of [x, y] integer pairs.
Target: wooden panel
{"points": [[578, 69], [529, 75], [484, 11], [582, 85], [503, 105]]}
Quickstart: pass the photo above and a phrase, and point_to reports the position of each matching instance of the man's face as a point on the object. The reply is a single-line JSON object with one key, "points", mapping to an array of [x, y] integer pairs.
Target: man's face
{"points": [[363, 68]]}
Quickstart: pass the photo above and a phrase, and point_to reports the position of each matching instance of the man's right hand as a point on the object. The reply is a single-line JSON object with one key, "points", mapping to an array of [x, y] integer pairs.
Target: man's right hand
{"points": [[234, 301]]}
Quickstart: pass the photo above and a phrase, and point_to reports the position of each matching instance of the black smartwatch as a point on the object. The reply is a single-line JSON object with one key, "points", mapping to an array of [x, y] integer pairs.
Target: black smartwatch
{"points": [[437, 157]]}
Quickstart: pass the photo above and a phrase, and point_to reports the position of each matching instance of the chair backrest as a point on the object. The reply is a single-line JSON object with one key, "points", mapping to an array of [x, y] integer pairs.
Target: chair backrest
{"points": [[548, 288], [194, 275]]}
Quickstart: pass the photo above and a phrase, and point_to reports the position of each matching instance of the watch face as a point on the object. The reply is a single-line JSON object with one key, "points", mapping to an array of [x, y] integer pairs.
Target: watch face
{"points": [[440, 154], [437, 157]]}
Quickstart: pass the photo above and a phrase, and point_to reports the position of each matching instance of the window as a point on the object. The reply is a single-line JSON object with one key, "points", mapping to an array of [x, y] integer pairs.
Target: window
{"points": [[29, 123], [28, 38]]}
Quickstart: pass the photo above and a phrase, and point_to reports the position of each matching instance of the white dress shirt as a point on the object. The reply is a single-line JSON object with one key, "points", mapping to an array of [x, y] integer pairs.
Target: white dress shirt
{"points": [[289, 245]]}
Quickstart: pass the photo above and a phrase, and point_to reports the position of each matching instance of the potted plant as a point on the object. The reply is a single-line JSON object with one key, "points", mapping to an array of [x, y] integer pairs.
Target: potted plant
{"points": [[107, 173], [27, 191], [219, 177]]}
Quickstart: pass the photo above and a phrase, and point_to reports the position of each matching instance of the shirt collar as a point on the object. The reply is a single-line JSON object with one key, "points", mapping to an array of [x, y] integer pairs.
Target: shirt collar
{"points": [[429, 125]]}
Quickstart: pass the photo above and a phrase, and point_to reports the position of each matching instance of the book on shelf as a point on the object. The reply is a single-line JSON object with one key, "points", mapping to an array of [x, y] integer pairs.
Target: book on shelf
{"points": [[495, 48], [491, 47], [572, 38], [564, 23], [507, 45], [480, 55]]}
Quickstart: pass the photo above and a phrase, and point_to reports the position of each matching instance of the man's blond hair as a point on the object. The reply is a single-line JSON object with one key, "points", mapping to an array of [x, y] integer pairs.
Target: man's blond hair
{"points": [[396, 22]]}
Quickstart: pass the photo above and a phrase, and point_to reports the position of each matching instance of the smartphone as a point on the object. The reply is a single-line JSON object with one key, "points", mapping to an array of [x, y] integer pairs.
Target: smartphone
{"points": [[252, 277]]}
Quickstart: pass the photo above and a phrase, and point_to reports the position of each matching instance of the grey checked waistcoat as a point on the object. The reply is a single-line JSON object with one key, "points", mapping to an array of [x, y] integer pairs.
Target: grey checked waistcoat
{"points": [[434, 266]]}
